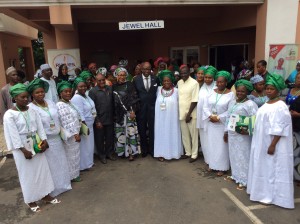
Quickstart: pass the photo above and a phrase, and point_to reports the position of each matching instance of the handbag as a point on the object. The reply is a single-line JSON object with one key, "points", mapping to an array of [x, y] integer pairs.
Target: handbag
{"points": [[64, 134]]}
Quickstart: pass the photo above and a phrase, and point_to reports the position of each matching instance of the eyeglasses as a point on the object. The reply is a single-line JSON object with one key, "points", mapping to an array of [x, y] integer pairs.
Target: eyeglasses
{"points": [[101, 80]]}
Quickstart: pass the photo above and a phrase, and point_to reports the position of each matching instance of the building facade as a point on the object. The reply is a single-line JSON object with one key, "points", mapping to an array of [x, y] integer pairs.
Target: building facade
{"points": [[210, 32]]}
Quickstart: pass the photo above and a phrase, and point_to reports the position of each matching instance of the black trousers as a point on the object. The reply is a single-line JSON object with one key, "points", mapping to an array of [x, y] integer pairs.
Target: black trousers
{"points": [[104, 140], [146, 122]]}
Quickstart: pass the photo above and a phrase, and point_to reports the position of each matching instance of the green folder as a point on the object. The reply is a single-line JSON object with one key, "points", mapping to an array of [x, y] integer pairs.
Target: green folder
{"points": [[84, 130], [246, 123]]}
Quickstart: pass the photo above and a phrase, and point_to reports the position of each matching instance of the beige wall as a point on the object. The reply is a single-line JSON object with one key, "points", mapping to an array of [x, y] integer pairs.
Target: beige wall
{"points": [[261, 23], [9, 46], [297, 41]]}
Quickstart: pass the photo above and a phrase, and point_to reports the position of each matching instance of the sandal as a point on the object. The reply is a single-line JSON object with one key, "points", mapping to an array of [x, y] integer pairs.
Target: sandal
{"points": [[228, 178], [77, 179], [161, 159], [34, 209], [131, 158], [220, 173], [241, 187], [53, 202]]}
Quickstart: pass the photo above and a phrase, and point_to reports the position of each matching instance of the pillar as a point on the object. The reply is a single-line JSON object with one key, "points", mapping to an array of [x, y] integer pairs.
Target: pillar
{"points": [[276, 23]]}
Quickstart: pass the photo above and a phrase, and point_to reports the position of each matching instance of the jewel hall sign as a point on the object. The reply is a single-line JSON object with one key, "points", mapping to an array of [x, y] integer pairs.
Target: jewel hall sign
{"points": [[142, 25]]}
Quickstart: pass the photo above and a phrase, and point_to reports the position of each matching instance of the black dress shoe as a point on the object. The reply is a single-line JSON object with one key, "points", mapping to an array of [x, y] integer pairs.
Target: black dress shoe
{"points": [[184, 157], [103, 160], [111, 157], [192, 160]]}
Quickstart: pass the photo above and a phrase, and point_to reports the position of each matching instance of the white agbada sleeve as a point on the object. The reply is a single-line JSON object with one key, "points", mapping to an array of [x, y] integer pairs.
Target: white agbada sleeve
{"points": [[280, 121], [206, 109], [11, 133]]}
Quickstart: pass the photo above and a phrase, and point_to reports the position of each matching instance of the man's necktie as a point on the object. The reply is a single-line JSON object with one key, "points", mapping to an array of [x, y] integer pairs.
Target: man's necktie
{"points": [[147, 83]]}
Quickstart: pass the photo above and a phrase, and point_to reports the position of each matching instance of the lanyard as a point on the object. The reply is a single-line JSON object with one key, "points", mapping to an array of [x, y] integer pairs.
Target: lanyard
{"points": [[27, 118], [217, 99], [234, 107], [46, 109]]}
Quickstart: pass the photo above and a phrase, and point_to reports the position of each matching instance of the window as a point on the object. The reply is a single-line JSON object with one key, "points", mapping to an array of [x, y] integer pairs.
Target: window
{"points": [[185, 55]]}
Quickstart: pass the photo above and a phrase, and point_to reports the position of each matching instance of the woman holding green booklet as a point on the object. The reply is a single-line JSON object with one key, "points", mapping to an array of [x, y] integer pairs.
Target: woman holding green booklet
{"points": [[238, 138]]}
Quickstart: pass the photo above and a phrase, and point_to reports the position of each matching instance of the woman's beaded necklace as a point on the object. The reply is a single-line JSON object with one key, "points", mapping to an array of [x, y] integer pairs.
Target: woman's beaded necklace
{"points": [[166, 93]]}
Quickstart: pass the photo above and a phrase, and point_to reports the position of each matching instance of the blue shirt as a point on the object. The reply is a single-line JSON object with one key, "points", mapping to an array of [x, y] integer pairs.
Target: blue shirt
{"points": [[292, 76]]}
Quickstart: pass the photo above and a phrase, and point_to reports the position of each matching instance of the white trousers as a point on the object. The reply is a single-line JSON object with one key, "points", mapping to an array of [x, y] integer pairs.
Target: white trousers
{"points": [[189, 134]]}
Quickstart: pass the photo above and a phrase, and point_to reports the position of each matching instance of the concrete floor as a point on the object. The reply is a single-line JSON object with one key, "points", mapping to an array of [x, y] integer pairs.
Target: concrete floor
{"points": [[145, 191]]}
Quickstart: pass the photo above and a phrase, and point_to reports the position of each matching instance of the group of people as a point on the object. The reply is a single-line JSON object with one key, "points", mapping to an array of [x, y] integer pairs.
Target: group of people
{"points": [[54, 128]]}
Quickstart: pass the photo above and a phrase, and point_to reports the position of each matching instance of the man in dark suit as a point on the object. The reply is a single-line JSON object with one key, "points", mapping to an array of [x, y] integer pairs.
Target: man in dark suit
{"points": [[146, 87]]}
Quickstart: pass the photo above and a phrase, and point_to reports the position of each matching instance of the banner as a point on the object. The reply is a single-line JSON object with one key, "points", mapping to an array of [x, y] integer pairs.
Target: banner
{"points": [[283, 59], [70, 57]]}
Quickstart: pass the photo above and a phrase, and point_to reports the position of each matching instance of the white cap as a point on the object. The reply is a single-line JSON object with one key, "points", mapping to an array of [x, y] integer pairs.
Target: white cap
{"points": [[44, 67], [10, 70]]}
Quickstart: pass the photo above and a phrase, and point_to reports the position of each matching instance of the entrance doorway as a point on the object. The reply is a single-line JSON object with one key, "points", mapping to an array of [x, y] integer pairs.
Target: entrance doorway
{"points": [[221, 56]]}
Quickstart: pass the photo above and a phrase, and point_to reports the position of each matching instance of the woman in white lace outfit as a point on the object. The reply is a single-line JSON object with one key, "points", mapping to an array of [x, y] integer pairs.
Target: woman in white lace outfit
{"points": [[240, 143], [70, 119]]}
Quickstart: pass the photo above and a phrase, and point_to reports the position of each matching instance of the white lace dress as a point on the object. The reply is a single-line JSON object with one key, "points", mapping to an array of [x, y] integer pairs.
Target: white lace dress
{"points": [[69, 119], [240, 145], [56, 154]]}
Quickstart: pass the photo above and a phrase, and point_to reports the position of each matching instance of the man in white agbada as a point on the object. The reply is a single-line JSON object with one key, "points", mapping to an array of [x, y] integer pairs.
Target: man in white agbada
{"points": [[47, 73], [270, 178], [21, 124]]}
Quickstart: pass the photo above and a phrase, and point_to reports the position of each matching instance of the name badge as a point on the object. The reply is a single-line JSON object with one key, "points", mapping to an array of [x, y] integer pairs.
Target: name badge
{"points": [[232, 122], [214, 111], [163, 106], [29, 145], [52, 124]]}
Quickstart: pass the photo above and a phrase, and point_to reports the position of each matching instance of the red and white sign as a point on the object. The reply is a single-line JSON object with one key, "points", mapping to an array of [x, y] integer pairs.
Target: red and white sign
{"points": [[282, 59]]}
